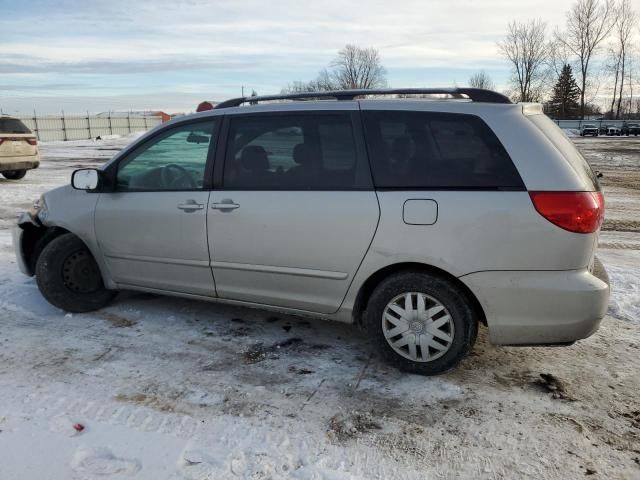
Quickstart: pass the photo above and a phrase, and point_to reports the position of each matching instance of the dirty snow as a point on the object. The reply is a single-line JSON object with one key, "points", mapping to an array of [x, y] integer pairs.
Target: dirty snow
{"points": [[174, 389]]}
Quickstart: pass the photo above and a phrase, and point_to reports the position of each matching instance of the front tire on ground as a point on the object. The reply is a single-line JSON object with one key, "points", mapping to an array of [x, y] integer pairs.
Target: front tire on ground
{"points": [[69, 278], [421, 323], [14, 174]]}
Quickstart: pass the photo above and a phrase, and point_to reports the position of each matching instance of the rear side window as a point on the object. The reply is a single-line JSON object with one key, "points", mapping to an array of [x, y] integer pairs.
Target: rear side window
{"points": [[566, 148], [436, 150], [291, 152], [12, 125]]}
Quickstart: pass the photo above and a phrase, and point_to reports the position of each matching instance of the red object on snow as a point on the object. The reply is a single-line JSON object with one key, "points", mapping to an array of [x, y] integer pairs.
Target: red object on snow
{"points": [[78, 427]]}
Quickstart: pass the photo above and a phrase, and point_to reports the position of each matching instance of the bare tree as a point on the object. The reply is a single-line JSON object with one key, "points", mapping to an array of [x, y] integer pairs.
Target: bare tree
{"points": [[589, 22], [625, 23], [354, 67], [613, 66], [526, 48], [481, 80], [357, 67], [559, 56]]}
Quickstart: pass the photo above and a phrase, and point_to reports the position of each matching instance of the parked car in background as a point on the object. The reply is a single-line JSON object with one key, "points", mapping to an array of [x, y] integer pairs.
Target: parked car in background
{"points": [[18, 148], [612, 130], [418, 220], [589, 130], [630, 129]]}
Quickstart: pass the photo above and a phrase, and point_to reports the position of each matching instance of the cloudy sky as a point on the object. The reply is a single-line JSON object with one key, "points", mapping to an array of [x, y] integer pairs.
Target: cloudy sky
{"points": [[169, 55]]}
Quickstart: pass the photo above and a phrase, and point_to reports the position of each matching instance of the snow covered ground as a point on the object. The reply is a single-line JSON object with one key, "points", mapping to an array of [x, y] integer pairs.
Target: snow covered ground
{"points": [[175, 389]]}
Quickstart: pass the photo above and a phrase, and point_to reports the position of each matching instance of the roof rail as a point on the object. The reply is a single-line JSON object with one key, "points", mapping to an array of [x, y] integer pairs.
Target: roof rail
{"points": [[473, 94]]}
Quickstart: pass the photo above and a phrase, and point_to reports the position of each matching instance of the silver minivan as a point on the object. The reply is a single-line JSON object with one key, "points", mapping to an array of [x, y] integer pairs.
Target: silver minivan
{"points": [[417, 219]]}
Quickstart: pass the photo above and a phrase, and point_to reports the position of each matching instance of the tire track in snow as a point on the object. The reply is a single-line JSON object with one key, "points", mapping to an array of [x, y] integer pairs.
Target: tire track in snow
{"points": [[54, 405]]}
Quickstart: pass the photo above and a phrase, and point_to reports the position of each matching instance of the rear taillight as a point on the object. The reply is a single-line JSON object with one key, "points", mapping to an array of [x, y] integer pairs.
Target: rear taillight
{"points": [[29, 140], [579, 212]]}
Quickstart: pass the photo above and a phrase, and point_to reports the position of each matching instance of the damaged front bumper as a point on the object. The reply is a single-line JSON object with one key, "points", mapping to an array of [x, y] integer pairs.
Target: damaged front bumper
{"points": [[26, 220]]}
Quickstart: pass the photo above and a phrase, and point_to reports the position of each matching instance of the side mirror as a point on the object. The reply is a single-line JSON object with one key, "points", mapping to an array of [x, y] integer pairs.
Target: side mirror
{"points": [[196, 138], [85, 179]]}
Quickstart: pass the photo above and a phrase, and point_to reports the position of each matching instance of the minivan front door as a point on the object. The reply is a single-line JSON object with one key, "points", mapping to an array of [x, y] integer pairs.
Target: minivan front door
{"points": [[152, 229], [295, 214]]}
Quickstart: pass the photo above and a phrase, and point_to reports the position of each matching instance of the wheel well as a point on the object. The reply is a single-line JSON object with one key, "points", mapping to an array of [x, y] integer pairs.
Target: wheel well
{"points": [[376, 278], [35, 239]]}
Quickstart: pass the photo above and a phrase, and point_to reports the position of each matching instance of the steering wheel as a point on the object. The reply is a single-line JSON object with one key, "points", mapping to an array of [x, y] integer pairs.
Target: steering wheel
{"points": [[176, 176]]}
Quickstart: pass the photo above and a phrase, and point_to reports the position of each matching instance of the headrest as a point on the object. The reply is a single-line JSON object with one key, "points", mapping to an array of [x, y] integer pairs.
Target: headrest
{"points": [[401, 147], [254, 157], [303, 154]]}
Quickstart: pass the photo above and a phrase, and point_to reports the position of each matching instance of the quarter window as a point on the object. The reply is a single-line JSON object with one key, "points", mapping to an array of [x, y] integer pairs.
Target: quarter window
{"points": [[436, 150], [284, 152], [175, 160]]}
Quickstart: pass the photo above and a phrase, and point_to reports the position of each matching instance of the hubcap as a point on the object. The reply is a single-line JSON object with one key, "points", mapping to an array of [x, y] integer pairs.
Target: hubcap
{"points": [[418, 327], [80, 273]]}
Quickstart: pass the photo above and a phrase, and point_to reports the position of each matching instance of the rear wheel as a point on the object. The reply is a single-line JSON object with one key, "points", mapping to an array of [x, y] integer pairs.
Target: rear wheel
{"points": [[421, 323], [14, 174], [68, 276]]}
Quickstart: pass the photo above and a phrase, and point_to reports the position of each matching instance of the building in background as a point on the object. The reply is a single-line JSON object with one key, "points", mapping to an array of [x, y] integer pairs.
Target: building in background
{"points": [[206, 105]]}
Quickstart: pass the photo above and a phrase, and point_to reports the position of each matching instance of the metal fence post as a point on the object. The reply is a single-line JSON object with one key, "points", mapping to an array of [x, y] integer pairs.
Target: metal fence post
{"points": [[129, 121], [89, 125], [144, 116], [110, 127], [35, 123], [64, 127]]}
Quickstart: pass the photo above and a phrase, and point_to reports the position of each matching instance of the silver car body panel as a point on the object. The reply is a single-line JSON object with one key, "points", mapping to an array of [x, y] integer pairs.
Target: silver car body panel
{"points": [[525, 308], [295, 249], [147, 240], [74, 210]]}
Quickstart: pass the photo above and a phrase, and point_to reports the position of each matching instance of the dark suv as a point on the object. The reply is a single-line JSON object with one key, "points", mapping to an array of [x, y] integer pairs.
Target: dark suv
{"points": [[630, 129]]}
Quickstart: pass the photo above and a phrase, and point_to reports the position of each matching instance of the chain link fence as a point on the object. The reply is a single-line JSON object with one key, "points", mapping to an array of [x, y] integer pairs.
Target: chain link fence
{"points": [[82, 127]]}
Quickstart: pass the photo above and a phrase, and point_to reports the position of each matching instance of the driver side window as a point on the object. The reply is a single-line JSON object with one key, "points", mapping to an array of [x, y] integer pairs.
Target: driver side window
{"points": [[174, 160]]}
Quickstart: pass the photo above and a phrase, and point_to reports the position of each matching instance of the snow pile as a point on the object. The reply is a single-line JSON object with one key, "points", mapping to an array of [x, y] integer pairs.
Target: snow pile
{"points": [[571, 132], [625, 292]]}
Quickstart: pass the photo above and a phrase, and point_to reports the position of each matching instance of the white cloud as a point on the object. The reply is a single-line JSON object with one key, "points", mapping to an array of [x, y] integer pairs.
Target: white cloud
{"points": [[173, 45]]}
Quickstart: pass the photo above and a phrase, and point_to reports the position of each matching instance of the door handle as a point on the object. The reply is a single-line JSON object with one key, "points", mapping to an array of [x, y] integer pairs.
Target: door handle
{"points": [[190, 206], [225, 205]]}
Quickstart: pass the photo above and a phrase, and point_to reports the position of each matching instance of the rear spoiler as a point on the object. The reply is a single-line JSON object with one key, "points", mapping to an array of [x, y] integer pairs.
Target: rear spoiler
{"points": [[531, 108]]}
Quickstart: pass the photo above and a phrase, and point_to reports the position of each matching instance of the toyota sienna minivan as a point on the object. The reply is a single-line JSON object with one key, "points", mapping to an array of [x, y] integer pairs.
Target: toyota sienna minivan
{"points": [[416, 218]]}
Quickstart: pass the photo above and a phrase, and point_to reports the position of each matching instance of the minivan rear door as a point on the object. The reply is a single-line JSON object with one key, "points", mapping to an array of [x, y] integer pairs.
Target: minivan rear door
{"points": [[293, 211]]}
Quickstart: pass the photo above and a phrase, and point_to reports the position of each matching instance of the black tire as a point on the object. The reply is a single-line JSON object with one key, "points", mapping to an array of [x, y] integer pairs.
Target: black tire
{"points": [[447, 293], [14, 174], [69, 278]]}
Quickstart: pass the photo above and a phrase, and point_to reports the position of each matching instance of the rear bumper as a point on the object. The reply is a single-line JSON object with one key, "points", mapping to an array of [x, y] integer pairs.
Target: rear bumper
{"points": [[19, 163], [538, 308]]}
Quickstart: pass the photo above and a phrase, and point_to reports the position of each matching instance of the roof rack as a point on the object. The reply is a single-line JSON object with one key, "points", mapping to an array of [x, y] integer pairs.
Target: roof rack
{"points": [[473, 94]]}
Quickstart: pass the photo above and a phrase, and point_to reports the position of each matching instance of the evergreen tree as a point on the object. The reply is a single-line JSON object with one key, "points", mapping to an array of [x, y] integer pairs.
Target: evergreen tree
{"points": [[565, 103]]}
